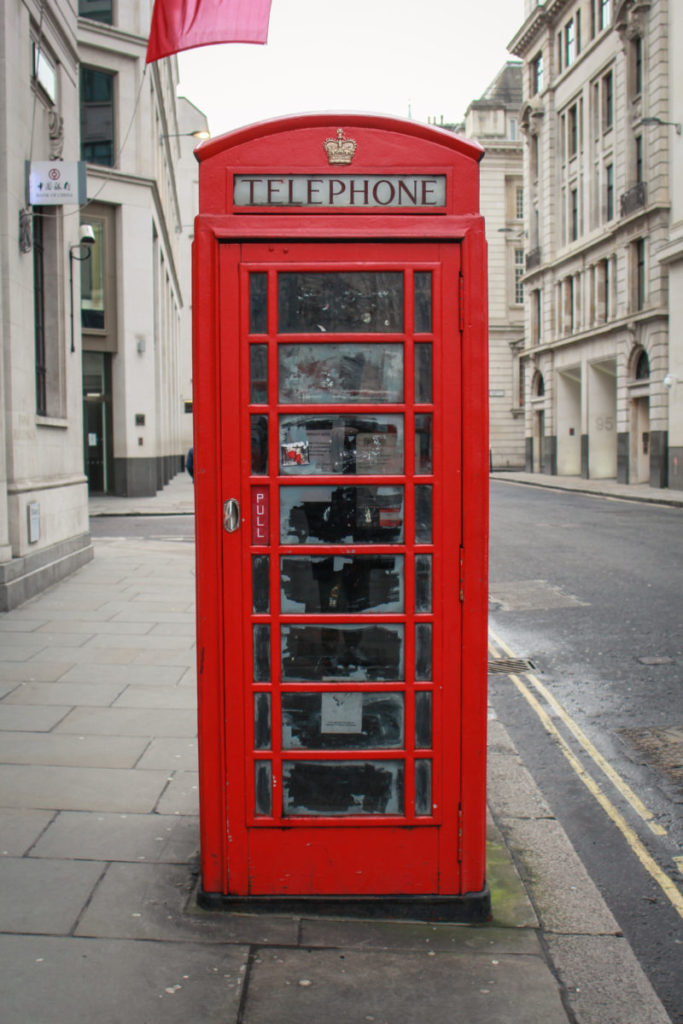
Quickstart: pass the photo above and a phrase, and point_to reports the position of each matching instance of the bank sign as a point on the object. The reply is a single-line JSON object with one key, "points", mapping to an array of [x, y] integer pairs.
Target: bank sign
{"points": [[332, 191]]}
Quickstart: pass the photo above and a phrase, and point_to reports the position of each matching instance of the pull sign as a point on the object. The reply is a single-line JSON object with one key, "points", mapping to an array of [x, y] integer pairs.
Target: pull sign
{"points": [[260, 515], [231, 515]]}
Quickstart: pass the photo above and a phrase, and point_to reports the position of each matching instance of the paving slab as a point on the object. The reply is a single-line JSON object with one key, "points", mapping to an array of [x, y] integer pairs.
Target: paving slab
{"points": [[129, 722], [89, 835], [181, 796], [304, 987], [35, 671], [176, 753], [44, 897], [148, 901], [26, 718], [80, 789], [67, 694], [600, 973], [157, 696], [20, 828], [125, 674], [76, 751], [417, 936], [83, 981], [512, 790]]}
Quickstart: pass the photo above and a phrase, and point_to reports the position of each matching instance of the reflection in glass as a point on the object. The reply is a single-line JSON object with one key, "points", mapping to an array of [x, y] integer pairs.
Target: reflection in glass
{"points": [[259, 445], [341, 583], [423, 583], [423, 373], [353, 652], [260, 584], [423, 442], [423, 719], [423, 514], [258, 374], [345, 721], [342, 787], [341, 444], [423, 788], [423, 301], [326, 373], [262, 730], [263, 787], [423, 651], [350, 301], [261, 654], [340, 515], [258, 303]]}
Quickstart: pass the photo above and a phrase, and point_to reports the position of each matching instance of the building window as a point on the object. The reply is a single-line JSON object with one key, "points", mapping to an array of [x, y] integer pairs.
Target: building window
{"points": [[639, 268], [92, 282], [97, 10], [642, 371], [44, 73], [638, 169], [577, 24], [569, 44], [519, 202], [536, 84], [97, 117], [574, 213], [637, 66], [47, 330], [572, 131], [538, 385], [519, 274], [604, 14], [607, 101], [609, 192], [536, 314]]}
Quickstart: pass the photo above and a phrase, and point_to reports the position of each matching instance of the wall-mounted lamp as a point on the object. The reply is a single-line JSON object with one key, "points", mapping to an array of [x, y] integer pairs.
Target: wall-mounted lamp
{"points": [[200, 133], [657, 120], [670, 380], [87, 240]]}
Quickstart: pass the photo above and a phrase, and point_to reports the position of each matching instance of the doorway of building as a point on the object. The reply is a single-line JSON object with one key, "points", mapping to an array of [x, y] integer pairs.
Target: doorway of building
{"points": [[97, 433], [640, 441]]}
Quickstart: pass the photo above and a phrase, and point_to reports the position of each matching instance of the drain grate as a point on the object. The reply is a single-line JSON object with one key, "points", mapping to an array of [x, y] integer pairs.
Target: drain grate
{"points": [[503, 666]]}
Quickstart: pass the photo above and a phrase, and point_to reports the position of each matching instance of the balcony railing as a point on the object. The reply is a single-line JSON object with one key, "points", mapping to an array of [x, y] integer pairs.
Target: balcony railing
{"points": [[634, 199], [533, 259]]}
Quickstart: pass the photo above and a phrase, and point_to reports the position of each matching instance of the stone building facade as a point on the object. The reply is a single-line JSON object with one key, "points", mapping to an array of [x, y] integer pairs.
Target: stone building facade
{"points": [[493, 121], [91, 376], [598, 175]]}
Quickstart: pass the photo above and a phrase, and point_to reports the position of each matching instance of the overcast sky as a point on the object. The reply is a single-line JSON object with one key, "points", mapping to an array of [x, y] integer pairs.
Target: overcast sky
{"points": [[419, 58]]}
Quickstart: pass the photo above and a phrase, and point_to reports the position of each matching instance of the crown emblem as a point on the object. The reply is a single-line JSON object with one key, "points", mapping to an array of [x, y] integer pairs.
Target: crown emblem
{"points": [[340, 150]]}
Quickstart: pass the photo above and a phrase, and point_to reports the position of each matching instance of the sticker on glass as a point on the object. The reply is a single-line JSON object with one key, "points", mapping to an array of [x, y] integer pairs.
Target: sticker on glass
{"points": [[341, 712]]}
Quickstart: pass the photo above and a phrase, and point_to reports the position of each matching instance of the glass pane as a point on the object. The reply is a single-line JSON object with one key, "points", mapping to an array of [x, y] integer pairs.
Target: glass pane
{"points": [[263, 785], [423, 583], [423, 514], [262, 730], [258, 303], [260, 584], [261, 654], [341, 583], [423, 301], [327, 653], [423, 651], [423, 442], [258, 370], [340, 515], [423, 788], [326, 373], [342, 787], [345, 721], [92, 280], [423, 373], [423, 719], [341, 444], [259, 445], [350, 301]]}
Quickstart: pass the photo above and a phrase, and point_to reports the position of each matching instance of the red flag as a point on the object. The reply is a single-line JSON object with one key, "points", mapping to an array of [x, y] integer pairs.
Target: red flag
{"points": [[183, 24]]}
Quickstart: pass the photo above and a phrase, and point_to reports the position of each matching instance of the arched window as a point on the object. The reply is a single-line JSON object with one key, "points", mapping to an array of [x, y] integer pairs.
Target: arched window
{"points": [[642, 367], [539, 385]]}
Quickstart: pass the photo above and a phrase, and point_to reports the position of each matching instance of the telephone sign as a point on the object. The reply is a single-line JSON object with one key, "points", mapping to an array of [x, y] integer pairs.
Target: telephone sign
{"points": [[341, 474]]}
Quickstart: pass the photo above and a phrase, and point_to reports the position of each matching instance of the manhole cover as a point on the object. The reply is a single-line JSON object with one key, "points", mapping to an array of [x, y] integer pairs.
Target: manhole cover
{"points": [[661, 748], [506, 665]]}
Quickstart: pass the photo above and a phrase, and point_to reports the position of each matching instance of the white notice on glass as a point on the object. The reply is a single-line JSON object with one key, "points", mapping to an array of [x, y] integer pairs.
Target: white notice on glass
{"points": [[341, 712]]}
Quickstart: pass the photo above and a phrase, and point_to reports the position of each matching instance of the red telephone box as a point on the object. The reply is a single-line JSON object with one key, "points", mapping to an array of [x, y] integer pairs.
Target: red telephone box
{"points": [[341, 474]]}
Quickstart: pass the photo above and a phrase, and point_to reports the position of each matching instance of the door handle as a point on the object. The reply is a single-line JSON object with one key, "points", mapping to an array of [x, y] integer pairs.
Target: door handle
{"points": [[231, 515]]}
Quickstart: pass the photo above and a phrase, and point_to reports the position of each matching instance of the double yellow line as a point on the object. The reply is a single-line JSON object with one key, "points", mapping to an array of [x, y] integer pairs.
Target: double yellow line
{"points": [[670, 889]]}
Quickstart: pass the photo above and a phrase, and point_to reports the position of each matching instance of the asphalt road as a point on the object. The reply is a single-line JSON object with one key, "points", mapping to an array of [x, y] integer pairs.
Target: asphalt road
{"points": [[588, 591]]}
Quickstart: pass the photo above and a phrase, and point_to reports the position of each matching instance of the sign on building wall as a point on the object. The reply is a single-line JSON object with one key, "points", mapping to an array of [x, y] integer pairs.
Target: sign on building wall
{"points": [[56, 182]]}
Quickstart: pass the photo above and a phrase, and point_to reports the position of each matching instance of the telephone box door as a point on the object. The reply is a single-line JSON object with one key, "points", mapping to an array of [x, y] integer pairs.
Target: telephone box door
{"points": [[341, 478]]}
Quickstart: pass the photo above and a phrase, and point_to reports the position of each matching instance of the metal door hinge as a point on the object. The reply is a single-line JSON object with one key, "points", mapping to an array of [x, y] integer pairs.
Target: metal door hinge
{"points": [[461, 574]]}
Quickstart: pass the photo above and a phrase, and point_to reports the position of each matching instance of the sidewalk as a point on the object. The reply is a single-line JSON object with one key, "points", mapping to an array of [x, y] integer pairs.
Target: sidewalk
{"points": [[605, 488], [99, 832]]}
